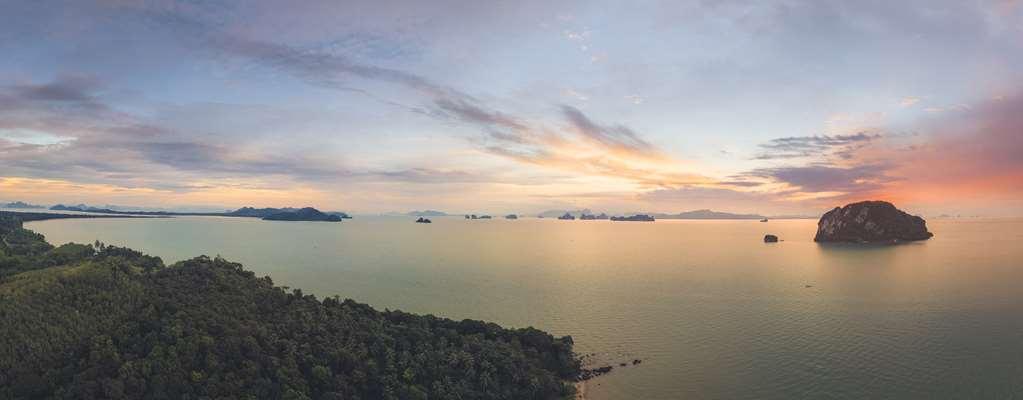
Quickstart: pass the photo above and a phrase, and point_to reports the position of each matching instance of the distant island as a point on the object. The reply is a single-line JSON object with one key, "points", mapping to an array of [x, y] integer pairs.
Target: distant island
{"points": [[422, 220], [25, 216], [99, 321], [511, 216], [586, 214], [706, 214], [270, 214], [567, 217], [303, 214], [558, 213], [638, 217], [83, 208], [21, 205]]}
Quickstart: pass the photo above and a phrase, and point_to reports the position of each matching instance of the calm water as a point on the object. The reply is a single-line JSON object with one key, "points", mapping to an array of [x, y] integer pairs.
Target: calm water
{"points": [[712, 310]]}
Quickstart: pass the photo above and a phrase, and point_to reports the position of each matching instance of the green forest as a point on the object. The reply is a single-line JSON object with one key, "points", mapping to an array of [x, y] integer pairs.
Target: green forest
{"points": [[104, 322]]}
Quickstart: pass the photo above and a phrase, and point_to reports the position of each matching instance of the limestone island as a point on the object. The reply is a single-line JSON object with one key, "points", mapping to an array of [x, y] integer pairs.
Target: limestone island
{"points": [[870, 222]]}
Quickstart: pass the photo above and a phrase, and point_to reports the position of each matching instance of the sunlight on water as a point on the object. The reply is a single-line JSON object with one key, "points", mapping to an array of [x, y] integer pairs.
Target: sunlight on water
{"points": [[711, 310]]}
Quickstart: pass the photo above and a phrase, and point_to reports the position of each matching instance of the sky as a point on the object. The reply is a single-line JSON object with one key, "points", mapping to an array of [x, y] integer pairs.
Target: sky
{"points": [[773, 107]]}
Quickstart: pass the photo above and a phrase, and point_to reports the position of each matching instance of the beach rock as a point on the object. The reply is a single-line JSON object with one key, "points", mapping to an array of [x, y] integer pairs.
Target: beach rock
{"points": [[586, 374], [770, 239], [870, 222]]}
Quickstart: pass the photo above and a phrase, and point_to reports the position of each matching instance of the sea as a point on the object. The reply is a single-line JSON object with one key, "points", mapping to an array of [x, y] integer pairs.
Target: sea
{"points": [[709, 309]]}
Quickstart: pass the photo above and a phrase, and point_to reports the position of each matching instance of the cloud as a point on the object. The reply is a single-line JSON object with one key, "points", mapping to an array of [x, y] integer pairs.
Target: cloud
{"points": [[815, 146], [69, 89], [828, 179], [62, 129], [581, 146], [321, 68], [908, 101], [970, 155], [616, 136], [477, 115]]}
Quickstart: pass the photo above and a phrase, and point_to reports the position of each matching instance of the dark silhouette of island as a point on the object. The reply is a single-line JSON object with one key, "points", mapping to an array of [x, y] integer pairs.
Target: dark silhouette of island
{"points": [[422, 220], [635, 218], [558, 213], [567, 217], [511, 216], [586, 214], [302, 214], [85, 208], [21, 205], [274, 214], [705, 214], [770, 239], [91, 321], [426, 213], [870, 222], [43, 216]]}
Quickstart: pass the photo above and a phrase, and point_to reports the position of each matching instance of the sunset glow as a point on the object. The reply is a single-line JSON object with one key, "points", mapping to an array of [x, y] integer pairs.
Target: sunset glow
{"points": [[770, 107]]}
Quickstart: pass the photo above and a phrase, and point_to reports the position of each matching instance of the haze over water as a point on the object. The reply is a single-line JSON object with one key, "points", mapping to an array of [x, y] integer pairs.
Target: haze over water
{"points": [[711, 310]]}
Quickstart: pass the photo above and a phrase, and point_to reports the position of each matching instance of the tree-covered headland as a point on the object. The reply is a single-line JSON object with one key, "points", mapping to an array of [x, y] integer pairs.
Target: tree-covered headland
{"points": [[104, 322]]}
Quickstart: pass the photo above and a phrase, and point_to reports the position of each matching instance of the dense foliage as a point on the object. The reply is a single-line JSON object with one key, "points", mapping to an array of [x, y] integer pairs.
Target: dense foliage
{"points": [[102, 322]]}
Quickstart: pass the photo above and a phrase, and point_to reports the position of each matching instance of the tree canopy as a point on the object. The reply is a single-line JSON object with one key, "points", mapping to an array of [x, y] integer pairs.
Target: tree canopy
{"points": [[105, 322]]}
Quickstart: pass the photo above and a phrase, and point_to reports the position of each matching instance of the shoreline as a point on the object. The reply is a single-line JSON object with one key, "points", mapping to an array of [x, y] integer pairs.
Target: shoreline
{"points": [[43, 216], [580, 390]]}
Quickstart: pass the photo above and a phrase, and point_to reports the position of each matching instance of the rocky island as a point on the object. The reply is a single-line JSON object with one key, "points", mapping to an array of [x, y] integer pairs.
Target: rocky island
{"points": [[870, 222]]}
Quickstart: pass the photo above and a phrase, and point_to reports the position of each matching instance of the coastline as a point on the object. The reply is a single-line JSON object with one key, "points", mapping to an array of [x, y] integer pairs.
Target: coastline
{"points": [[580, 390]]}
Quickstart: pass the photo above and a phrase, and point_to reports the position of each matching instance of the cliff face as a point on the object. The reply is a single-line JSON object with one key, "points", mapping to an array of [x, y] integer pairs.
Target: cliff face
{"points": [[870, 222]]}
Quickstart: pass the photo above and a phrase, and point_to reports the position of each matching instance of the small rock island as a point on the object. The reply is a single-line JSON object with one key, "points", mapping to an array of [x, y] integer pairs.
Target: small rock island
{"points": [[870, 222]]}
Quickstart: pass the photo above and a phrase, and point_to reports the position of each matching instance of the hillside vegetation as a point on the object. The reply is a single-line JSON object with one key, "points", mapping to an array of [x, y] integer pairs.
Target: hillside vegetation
{"points": [[104, 322]]}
